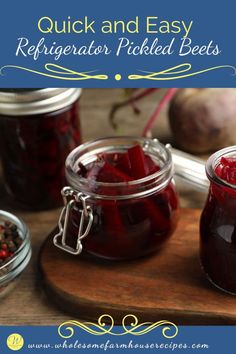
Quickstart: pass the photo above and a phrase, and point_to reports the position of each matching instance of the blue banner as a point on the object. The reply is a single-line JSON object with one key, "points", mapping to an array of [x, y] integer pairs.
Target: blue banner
{"points": [[72, 339], [117, 44]]}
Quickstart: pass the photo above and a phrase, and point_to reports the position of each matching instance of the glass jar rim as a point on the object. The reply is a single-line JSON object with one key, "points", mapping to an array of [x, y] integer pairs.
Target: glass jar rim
{"points": [[212, 162], [39, 101], [77, 181]]}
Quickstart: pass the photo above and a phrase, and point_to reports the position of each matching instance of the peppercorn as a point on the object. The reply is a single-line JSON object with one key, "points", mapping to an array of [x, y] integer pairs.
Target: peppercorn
{"points": [[10, 241], [13, 228]]}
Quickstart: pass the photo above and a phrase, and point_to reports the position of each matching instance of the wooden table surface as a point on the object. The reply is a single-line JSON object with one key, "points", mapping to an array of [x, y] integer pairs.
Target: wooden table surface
{"points": [[27, 303]]}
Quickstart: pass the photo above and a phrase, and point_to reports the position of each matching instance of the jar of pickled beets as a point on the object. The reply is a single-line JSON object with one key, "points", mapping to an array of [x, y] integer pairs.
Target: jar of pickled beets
{"points": [[38, 129], [120, 199], [218, 221]]}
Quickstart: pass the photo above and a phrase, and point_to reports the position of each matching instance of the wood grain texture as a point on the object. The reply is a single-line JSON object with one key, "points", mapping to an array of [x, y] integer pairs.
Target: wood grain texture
{"points": [[27, 304], [168, 285]]}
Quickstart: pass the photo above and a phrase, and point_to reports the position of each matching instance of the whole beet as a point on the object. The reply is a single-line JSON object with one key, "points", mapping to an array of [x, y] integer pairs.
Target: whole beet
{"points": [[203, 120]]}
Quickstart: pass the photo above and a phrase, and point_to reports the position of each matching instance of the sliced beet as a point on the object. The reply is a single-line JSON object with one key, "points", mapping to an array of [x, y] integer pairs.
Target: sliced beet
{"points": [[227, 169], [151, 166], [121, 167], [228, 161], [123, 163], [94, 169], [112, 217], [108, 156], [110, 174], [137, 162], [171, 196], [219, 170], [155, 213], [229, 174], [114, 227], [63, 125]]}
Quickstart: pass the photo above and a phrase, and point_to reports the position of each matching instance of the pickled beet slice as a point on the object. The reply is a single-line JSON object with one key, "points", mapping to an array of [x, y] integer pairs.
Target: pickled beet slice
{"points": [[109, 157], [110, 174], [219, 170], [141, 166], [114, 228], [151, 166], [227, 169], [112, 218], [94, 169], [123, 163], [137, 162], [121, 167], [228, 161], [171, 196], [63, 125], [155, 214], [229, 174]]}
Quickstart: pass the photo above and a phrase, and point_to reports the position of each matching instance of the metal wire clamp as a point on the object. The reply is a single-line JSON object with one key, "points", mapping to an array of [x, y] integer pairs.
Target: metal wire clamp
{"points": [[77, 201]]}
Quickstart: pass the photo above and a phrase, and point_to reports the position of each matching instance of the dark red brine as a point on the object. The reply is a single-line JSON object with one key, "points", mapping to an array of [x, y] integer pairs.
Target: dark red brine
{"points": [[38, 129], [218, 221], [131, 193]]}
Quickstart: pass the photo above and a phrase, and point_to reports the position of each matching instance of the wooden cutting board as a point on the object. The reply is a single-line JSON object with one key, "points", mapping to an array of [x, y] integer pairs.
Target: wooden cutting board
{"points": [[169, 285]]}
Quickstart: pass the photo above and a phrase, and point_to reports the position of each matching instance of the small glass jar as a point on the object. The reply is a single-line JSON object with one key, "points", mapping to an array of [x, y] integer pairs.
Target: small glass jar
{"points": [[11, 270], [123, 220], [218, 227], [38, 129]]}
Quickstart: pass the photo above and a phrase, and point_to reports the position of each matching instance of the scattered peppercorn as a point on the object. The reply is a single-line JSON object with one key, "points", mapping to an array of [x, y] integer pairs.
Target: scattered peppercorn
{"points": [[10, 241]]}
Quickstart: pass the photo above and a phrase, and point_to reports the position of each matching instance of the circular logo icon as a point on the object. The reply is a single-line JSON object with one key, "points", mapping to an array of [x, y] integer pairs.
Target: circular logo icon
{"points": [[15, 341]]}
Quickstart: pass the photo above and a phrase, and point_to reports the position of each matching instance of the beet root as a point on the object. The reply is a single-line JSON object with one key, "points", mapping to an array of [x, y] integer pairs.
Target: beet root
{"points": [[203, 120]]}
